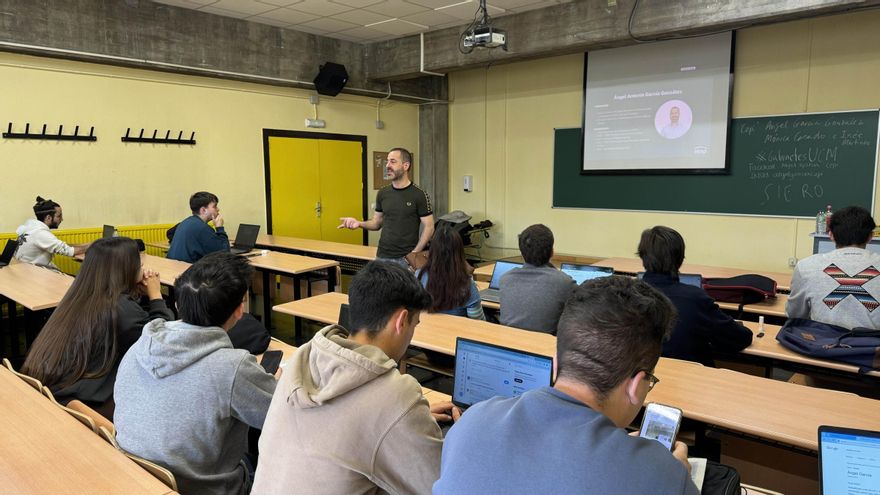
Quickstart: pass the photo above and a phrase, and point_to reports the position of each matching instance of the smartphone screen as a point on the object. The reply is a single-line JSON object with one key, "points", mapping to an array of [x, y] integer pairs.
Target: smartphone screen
{"points": [[271, 360], [661, 423]]}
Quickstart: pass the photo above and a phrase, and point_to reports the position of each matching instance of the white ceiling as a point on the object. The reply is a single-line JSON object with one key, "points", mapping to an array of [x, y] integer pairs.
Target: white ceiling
{"points": [[362, 21]]}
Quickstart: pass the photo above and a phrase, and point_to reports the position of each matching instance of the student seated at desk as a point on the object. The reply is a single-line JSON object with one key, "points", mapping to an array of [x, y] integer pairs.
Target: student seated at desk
{"points": [[103, 313], [570, 438], [193, 238], [36, 243], [184, 397], [701, 327], [447, 277], [841, 287], [343, 419], [532, 296]]}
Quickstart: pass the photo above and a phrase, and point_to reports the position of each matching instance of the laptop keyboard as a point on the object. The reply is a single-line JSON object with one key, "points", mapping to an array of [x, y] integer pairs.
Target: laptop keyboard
{"points": [[491, 295]]}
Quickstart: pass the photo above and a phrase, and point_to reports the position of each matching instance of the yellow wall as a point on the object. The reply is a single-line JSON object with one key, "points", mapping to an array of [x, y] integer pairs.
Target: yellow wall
{"points": [[501, 132], [129, 184]]}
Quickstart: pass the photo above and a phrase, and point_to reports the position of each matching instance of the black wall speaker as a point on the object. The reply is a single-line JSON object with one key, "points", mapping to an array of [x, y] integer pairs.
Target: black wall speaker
{"points": [[331, 79]]}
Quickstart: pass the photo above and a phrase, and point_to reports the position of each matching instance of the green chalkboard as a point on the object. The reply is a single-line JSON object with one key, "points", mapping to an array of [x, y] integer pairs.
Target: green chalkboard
{"points": [[789, 165]]}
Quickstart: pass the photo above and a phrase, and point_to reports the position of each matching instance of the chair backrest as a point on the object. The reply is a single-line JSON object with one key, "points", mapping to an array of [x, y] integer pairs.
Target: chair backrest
{"points": [[33, 382], [99, 420], [82, 418], [109, 436], [159, 472]]}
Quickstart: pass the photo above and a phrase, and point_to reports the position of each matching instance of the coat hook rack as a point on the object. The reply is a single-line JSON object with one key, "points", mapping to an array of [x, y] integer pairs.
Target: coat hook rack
{"points": [[128, 138], [60, 136]]}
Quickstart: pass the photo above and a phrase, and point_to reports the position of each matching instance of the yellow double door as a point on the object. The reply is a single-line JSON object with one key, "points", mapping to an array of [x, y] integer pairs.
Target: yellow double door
{"points": [[314, 182]]}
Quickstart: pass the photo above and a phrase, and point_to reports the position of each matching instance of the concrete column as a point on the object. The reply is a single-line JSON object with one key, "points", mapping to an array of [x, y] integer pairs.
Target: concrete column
{"points": [[433, 162]]}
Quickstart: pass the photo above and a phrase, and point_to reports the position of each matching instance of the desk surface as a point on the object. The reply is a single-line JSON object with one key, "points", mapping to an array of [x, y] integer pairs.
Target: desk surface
{"points": [[634, 265], [168, 269], [329, 248], [292, 264], [780, 411], [46, 451], [436, 332], [32, 286]]}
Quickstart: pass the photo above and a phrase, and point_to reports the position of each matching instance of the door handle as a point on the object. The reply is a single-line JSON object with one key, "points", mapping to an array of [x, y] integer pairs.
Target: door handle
{"points": [[318, 209]]}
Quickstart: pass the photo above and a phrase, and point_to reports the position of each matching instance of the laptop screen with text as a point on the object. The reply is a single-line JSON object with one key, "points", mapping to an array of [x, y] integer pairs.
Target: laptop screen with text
{"points": [[849, 461], [483, 371], [582, 273]]}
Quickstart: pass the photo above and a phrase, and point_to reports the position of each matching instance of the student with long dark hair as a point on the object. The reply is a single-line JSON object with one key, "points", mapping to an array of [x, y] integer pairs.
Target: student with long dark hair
{"points": [[447, 277], [77, 352]]}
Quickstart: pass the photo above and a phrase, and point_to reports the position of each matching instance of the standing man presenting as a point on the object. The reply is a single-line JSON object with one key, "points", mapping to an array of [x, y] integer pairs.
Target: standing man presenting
{"points": [[400, 208], [37, 244], [193, 238]]}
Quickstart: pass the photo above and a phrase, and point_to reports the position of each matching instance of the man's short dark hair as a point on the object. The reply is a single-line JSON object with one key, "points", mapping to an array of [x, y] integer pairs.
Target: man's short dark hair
{"points": [[405, 156], [610, 329], [851, 226], [536, 244], [44, 207], [661, 250], [378, 290], [211, 289], [200, 200]]}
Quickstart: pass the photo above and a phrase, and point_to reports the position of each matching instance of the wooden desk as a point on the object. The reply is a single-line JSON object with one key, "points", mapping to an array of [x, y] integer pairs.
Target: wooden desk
{"points": [[295, 266], [436, 332], [632, 266], [779, 411], [168, 269], [46, 451], [484, 273], [435, 397], [32, 286], [769, 349], [351, 257]]}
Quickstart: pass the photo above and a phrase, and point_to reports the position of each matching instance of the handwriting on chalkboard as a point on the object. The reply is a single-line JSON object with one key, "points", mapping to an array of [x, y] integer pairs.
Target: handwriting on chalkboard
{"points": [[792, 156]]}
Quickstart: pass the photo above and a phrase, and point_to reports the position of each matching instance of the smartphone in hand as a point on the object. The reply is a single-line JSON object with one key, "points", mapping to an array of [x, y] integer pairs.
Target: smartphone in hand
{"points": [[271, 360], [661, 423]]}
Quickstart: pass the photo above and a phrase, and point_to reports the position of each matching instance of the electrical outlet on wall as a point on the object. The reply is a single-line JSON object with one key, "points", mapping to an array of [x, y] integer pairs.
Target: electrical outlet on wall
{"points": [[792, 262]]}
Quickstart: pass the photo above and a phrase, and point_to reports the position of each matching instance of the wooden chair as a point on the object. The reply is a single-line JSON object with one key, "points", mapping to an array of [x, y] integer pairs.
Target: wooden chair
{"points": [[159, 472], [99, 420], [33, 382], [82, 418]]}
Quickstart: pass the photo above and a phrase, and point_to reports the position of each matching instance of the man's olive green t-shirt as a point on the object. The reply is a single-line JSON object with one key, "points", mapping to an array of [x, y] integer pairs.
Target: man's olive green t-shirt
{"points": [[402, 210]]}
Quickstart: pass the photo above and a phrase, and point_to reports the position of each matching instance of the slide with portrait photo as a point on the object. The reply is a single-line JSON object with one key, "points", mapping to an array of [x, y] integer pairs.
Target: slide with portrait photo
{"points": [[658, 107]]}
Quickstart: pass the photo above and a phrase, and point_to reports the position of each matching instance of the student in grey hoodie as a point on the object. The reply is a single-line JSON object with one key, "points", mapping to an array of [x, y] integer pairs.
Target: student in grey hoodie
{"points": [[343, 419], [184, 396]]}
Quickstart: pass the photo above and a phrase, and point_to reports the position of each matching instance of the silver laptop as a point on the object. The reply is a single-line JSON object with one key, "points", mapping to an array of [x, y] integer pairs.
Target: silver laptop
{"points": [[582, 273], [483, 371], [694, 279], [493, 293], [849, 461], [245, 239]]}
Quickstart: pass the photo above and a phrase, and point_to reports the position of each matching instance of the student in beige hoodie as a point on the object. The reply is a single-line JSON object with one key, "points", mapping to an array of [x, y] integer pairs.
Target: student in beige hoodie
{"points": [[343, 419]]}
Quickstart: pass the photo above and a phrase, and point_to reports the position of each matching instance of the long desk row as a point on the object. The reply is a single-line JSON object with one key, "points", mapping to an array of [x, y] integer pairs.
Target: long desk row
{"points": [[46, 451], [632, 266], [779, 411]]}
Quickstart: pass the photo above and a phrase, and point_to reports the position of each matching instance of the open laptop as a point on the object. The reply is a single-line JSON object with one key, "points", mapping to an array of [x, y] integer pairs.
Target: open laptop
{"points": [[849, 460], [109, 230], [8, 252], [582, 273], [245, 239], [483, 371], [493, 293], [694, 279]]}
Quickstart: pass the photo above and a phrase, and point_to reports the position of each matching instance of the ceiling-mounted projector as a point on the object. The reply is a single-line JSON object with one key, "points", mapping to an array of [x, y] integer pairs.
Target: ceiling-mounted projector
{"points": [[485, 37]]}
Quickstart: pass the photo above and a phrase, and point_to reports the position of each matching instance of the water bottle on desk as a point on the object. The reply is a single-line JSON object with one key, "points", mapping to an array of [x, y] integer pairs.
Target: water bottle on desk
{"points": [[820, 223], [828, 214]]}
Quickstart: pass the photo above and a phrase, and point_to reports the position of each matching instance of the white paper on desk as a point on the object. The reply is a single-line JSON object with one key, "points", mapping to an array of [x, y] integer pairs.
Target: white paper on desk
{"points": [[698, 470]]}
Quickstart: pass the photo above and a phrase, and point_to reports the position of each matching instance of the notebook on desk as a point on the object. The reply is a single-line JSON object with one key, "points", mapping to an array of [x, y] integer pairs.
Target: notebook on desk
{"points": [[493, 293], [8, 252], [582, 273], [483, 371], [849, 460], [694, 279], [245, 239]]}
